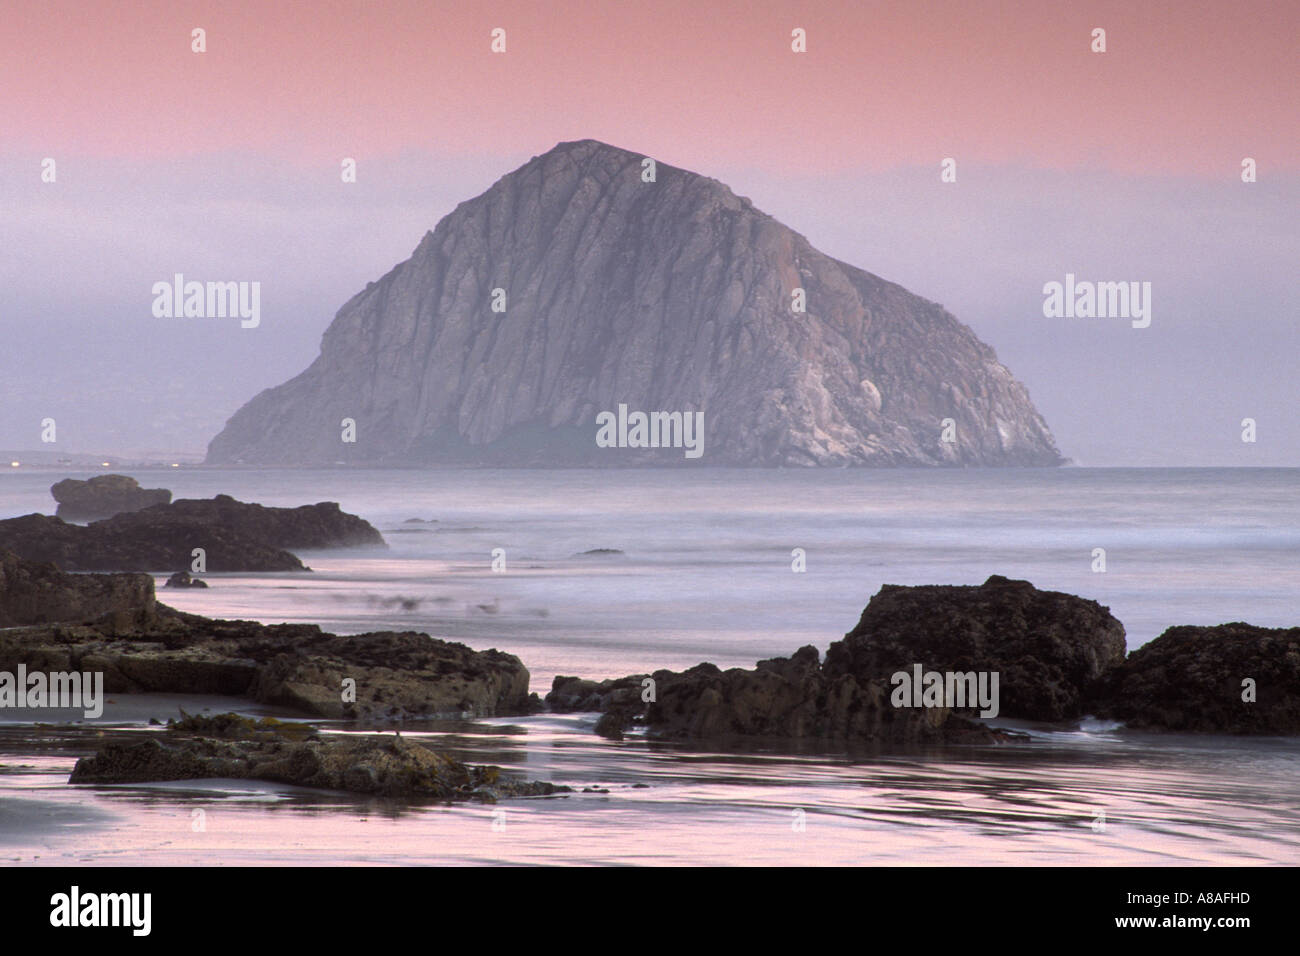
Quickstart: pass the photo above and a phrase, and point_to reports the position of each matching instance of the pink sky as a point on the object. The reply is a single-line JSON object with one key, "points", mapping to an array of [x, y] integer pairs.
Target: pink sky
{"points": [[1186, 88]]}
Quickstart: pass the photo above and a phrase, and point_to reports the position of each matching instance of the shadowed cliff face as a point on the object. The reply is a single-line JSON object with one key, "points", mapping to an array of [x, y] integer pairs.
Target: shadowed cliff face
{"points": [[673, 295]]}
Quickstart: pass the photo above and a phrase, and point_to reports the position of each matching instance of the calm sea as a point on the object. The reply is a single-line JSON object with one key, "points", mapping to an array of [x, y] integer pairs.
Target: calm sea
{"points": [[704, 572]]}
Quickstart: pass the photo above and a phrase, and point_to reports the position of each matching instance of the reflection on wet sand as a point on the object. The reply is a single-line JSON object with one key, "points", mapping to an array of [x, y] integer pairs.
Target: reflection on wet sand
{"points": [[1067, 798]]}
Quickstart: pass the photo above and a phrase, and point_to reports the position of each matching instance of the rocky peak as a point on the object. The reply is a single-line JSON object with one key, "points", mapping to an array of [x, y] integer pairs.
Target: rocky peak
{"points": [[573, 286]]}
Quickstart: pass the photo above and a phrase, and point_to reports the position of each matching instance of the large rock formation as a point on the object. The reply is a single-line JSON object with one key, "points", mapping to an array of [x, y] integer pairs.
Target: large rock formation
{"points": [[234, 535], [1049, 650], [1230, 679], [104, 496], [667, 296], [39, 593]]}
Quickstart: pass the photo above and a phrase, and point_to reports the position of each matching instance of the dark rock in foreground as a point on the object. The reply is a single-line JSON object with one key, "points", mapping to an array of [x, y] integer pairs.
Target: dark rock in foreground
{"points": [[575, 694], [235, 536], [1048, 647], [104, 496], [397, 675], [39, 593], [789, 698], [1058, 657], [1190, 679], [236, 747]]}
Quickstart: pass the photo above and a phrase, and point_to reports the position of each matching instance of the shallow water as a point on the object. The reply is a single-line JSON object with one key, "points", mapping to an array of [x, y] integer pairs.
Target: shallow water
{"points": [[706, 575], [1065, 799]]}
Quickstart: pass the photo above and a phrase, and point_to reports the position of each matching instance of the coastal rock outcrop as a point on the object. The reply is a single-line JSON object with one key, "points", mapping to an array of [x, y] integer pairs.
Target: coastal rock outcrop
{"points": [[307, 527], [34, 592], [576, 694], [183, 579], [104, 496], [787, 698], [575, 285], [235, 536], [396, 675], [1058, 658], [120, 547], [111, 623], [230, 746], [1049, 648], [1228, 679]]}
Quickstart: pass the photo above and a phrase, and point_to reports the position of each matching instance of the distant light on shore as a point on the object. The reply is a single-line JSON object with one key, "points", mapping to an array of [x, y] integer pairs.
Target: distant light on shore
{"points": [[175, 464], [14, 464], [105, 464]]}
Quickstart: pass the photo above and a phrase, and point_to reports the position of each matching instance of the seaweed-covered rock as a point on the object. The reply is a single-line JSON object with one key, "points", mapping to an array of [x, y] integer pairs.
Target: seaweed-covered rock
{"points": [[1049, 648], [788, 698], [1229, 679], [397, 675], [381, 675], [231, 746], [575, 694]]}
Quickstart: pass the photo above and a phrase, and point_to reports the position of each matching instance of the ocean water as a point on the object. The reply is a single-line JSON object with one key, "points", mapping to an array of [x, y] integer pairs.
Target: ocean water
{"points": [[705, 573]]}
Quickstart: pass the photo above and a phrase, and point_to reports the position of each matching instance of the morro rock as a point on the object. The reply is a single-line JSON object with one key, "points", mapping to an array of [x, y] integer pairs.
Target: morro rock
{"points": [[574, 285]]}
